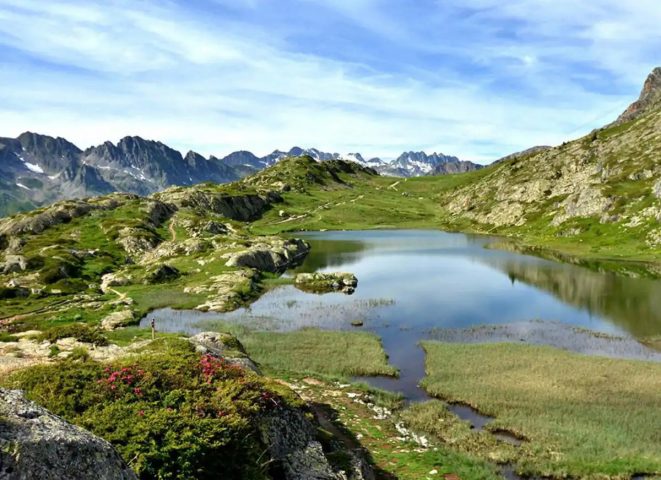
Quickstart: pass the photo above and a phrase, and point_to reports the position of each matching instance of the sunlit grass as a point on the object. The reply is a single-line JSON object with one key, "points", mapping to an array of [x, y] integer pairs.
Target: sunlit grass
{"points": [[582, 415]]}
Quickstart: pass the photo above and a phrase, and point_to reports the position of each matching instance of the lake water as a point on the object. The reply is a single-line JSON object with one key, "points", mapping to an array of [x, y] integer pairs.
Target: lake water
{"points": [[428, 284]]}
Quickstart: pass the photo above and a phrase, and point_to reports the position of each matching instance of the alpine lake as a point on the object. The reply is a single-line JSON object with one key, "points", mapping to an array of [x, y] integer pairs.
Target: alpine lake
{"points": [[419, 285]]}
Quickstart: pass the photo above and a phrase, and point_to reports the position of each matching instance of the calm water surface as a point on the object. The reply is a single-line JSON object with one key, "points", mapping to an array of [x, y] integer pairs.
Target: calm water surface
{"points": [[413, 282]]}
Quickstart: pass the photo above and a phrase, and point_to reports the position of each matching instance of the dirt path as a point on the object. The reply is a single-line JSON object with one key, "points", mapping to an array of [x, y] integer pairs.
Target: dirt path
{"points": [[122, 296], [172, 231], [394, 185]]}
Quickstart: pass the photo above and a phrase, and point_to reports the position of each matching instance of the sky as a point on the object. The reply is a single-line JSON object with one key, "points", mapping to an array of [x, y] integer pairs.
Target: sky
{"points": [[474, 78]]}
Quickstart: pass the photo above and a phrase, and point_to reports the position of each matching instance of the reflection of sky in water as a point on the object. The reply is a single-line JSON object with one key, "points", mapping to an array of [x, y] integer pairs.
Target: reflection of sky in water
{"points": [[412, 281]]}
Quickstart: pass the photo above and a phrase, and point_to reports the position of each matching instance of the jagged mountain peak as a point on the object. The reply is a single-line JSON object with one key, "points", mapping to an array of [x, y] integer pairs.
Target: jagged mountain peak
{"points": [[650, 98], [44, 143]]}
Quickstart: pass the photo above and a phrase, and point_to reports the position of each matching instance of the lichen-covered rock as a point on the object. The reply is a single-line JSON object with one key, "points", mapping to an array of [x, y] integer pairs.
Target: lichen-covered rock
{"points": [[137, 241], [114, 280], [327, 282], [276, 256], [118, 319], [224, 345], [225, 291], [13, 264], [37, 445], [243, 207]]}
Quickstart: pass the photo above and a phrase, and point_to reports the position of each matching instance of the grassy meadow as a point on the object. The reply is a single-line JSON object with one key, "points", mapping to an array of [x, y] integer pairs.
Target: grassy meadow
{"points": [[582, 417]]}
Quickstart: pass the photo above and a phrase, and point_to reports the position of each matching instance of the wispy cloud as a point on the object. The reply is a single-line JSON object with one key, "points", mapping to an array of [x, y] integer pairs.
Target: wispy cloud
{"points": [[476, 78]]}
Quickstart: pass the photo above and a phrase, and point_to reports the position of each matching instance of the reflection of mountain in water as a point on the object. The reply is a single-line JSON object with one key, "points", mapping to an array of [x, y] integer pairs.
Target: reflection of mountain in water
{"points": [[333, 253], [631, 303]]}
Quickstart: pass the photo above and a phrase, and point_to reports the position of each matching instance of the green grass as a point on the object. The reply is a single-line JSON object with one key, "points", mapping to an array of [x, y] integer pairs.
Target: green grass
{"points": [[126, 336], [333, 354], [317, 351], [583, 416]]}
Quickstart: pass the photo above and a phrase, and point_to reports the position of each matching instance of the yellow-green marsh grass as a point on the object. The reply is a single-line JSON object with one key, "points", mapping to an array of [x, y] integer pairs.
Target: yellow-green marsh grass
{"points": [[319, 352], [585, 417]]}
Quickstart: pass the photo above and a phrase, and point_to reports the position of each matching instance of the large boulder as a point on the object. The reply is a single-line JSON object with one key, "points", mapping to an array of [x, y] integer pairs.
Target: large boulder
{"points": [[226, 346], [13, 264], [276, 256], [37, 445], [118, 319]]}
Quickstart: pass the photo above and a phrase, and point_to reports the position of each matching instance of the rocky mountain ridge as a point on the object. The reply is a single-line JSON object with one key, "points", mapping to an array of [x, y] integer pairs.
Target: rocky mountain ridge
{"points": [[603, 189], [37, 169]]}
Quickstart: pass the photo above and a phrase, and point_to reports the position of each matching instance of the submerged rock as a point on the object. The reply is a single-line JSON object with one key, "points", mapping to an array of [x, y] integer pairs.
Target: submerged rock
{"points": [[327, 282], [37, 445]]}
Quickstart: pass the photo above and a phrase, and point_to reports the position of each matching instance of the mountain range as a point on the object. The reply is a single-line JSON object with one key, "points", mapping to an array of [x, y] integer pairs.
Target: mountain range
{"points": [[37, 169]]}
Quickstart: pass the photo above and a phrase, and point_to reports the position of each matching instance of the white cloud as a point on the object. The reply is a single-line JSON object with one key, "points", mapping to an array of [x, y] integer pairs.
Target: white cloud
{"points": [[162, 71]]}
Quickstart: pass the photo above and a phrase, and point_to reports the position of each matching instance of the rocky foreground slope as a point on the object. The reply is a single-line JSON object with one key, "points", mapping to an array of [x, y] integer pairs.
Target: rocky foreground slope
{"points": [[222, 419]]}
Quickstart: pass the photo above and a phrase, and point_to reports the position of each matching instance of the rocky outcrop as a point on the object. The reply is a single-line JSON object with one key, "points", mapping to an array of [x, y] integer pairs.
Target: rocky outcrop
{"points": [[649, 97], [116, 320], [293, 447], [13, 264], [137, 241], [327, 282], [161, 273], [276, 256], [289, 435], [225, 291], [38, 222], [223, 345], [242, 207], [37, 445], [114, 280]]}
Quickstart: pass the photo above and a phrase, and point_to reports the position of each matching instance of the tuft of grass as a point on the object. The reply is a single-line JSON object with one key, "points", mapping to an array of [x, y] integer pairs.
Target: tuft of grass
{"points": [[583, 416]]}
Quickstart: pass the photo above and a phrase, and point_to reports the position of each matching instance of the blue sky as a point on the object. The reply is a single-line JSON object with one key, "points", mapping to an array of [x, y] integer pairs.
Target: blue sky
{"points": [[473, 78]]}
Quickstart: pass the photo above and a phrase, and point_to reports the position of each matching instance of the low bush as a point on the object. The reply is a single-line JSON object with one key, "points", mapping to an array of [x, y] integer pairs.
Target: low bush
{"points": [[80, 331], [170, 412]]}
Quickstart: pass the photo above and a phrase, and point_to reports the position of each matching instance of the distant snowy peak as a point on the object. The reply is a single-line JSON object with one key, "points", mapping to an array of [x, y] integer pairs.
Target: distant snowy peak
{"points": [[408, 164]]}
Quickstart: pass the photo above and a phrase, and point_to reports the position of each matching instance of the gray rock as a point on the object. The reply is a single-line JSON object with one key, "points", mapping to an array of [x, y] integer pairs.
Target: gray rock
{"points": [[657, 189], [114, 280], [226, 346], [293, 448], [37, 445], [161, 273], [327, 282], [117, 319], [274, 257], [215, 228], [14, 264]]}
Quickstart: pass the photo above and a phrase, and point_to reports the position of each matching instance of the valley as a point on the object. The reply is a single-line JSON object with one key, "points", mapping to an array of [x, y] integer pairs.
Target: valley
{"points": [[527, 290]]}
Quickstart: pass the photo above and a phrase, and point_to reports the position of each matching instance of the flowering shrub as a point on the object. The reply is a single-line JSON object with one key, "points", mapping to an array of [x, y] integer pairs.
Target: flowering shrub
{"points": [[171, 413], [214, 368], [123, 381]]}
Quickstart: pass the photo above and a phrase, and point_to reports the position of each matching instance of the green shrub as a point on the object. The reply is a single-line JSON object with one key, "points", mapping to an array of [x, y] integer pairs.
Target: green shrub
{"points": [[171, 413], [7, 337], [79, 353], [80, 331]]}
